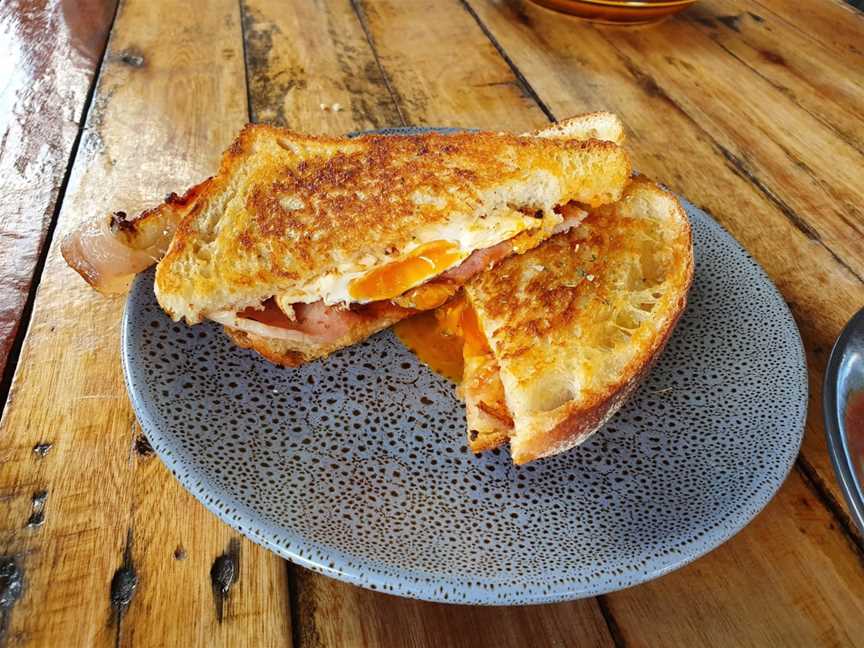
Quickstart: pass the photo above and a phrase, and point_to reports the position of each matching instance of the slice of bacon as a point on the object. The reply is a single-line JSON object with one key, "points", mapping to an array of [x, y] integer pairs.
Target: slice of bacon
{"points": [[315, 322], [109, 251]]}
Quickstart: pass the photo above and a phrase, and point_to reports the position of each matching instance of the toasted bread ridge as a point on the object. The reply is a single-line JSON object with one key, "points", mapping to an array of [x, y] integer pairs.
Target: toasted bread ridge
{"points": [[576, 322], [287, 208], [603, 126]]}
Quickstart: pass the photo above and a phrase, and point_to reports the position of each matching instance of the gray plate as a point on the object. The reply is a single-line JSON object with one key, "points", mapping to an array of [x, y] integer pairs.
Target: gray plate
{"points": [[356, 466]]}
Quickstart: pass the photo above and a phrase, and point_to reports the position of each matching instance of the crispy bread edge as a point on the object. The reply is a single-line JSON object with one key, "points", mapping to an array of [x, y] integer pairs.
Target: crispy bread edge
{"points": [[578, 423]]}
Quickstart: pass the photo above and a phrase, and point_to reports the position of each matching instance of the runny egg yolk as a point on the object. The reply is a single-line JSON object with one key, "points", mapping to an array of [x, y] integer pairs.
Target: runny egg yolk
{"points": [[475, 341], [444, 338], [393, 279]]}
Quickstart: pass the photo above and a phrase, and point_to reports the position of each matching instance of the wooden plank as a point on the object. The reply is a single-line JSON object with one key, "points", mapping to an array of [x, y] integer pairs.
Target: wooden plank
{"points": [[336, 614], [575, 68], [830, 89], [304, 58], [832, 24], [799, 161], [443, 70], [788, 579], [431, 84], [50, 52], [171, 96]]}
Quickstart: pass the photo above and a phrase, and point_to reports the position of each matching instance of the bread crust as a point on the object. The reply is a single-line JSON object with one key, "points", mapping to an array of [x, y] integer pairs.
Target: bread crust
{"points": [[580, 422]]}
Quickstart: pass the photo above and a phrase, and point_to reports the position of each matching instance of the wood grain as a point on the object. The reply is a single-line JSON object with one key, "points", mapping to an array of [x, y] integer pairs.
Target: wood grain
{"points": [[101, 569], [799, 162], [442, 69], [50, 51], [831, 24], [304, 59], [336, 614], [786, 58], [788, 579]]}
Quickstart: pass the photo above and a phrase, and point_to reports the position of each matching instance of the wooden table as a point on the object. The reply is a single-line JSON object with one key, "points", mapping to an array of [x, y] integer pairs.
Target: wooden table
{"points": [[751, 109]]}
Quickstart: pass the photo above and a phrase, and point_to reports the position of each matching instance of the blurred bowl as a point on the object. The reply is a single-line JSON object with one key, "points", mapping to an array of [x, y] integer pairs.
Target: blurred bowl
{"points": [[843, 409], [618, 11]]}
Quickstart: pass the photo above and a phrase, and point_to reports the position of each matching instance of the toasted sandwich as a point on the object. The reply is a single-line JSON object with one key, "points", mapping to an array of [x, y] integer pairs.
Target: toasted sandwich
{"points": [[301, 245], [556, 339]]}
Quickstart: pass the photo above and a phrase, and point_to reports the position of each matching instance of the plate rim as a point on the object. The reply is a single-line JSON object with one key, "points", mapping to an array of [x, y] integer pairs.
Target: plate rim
{"points": [[371, 578]]}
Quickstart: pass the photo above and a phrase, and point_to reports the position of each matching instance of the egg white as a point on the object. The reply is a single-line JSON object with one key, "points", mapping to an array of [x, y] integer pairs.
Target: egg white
{"points": [[479, 235]]}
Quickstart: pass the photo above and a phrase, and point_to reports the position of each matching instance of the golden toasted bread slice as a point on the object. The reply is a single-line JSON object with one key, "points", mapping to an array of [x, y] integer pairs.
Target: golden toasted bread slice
{"points": [[303, 245], [305, 218], [108, 251], [347, 327], [572, 325]]}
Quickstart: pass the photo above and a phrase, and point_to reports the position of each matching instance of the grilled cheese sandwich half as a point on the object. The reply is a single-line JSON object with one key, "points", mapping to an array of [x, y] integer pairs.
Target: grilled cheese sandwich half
{"points": [[303, 245], [300, 245], [556, 339]]}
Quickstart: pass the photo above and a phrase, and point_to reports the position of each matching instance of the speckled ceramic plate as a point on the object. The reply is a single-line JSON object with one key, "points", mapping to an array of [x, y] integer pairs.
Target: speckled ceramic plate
{"points": [[356, 466]]}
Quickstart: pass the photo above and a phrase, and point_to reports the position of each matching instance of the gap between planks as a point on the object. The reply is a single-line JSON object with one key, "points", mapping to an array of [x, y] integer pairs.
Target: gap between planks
{"points": [[39, 267]]}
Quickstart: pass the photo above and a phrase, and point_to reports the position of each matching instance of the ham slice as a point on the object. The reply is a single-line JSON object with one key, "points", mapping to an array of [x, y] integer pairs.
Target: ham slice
{"points": [[315, 322]]}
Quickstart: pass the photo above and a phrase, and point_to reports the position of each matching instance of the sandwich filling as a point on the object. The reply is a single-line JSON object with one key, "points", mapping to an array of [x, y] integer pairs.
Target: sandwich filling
{"points": [[421, 280]]}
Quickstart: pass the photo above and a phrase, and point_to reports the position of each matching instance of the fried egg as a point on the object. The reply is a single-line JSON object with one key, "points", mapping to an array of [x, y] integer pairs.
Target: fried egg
{"points": [[436, 252]]}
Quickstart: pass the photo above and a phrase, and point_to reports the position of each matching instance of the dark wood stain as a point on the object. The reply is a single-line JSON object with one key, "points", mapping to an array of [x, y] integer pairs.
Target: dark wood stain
{"points": [[37, 516], [611, 623], [303, 600], [179, 553], [36, 519], [397, 99], [772, 57], [123, 585], [519, 11], [11, 589], [143, 447], [42, 449], [269, 81], [756, 17], [223, 574], [649, 85], [379, 108], [132, 57], [732, 22]]}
